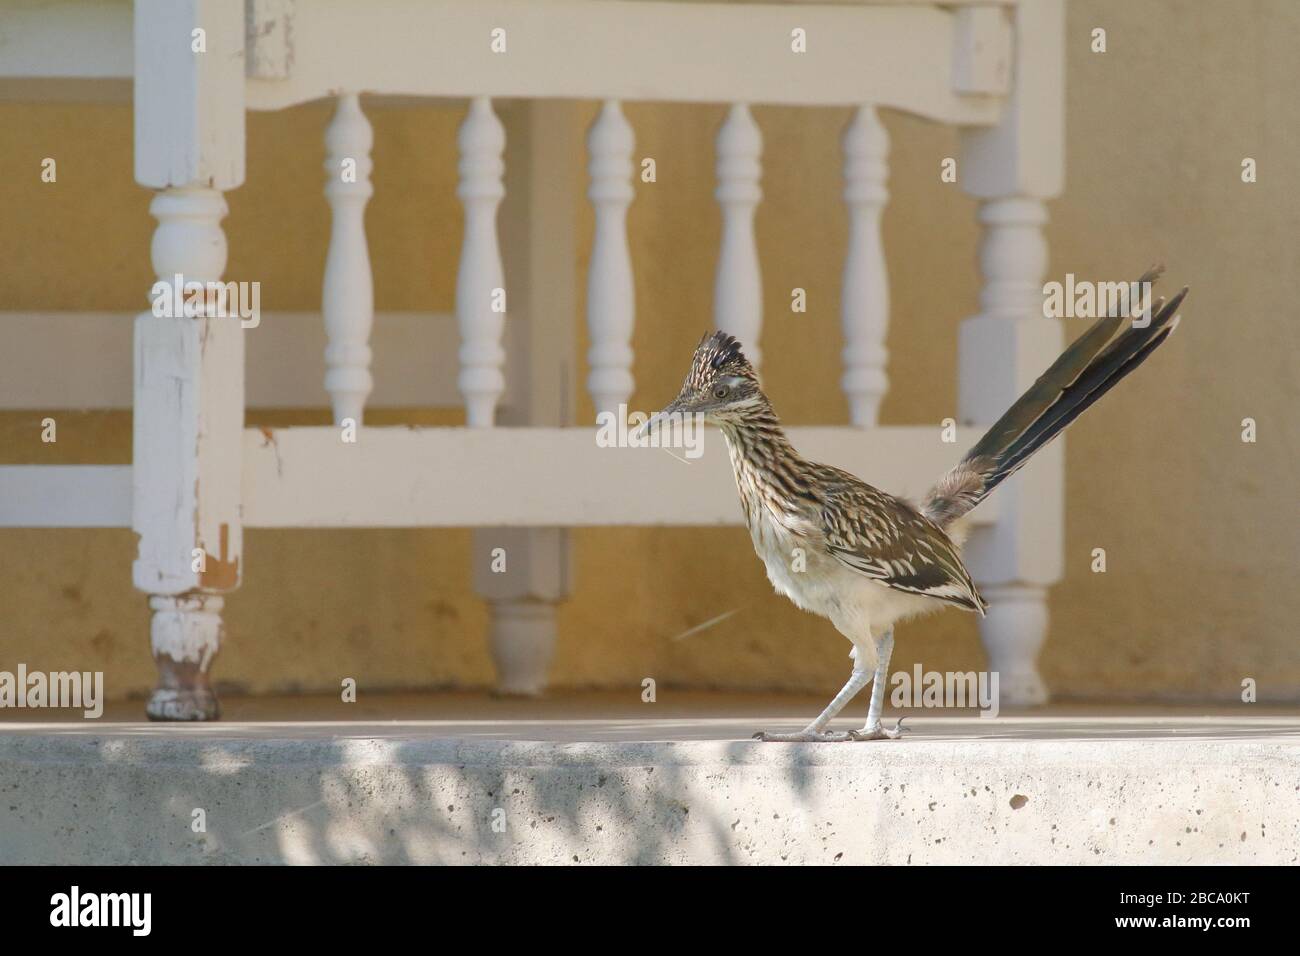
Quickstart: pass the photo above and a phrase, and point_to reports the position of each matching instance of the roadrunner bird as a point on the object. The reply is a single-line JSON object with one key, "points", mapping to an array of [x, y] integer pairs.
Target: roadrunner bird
{"points": [[870, 559]]}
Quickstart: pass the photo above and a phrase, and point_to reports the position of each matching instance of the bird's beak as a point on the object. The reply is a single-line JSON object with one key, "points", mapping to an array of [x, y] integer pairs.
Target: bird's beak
{"points": [[657, 419]]}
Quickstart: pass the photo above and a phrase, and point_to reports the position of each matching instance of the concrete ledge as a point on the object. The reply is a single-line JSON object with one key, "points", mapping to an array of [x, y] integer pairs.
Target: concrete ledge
{"points": [[965, 790]]}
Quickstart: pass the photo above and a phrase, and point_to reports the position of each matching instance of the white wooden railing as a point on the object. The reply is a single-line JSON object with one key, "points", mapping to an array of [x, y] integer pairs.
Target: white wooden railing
{"points": [[992, 68]]}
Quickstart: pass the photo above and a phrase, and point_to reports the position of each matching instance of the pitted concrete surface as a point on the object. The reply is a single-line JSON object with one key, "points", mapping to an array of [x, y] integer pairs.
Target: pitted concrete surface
{"points": [[496, 787]]}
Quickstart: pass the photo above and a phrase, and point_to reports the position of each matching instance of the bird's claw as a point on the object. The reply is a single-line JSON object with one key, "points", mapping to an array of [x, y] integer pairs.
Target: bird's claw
{"points": [[878, 732]]}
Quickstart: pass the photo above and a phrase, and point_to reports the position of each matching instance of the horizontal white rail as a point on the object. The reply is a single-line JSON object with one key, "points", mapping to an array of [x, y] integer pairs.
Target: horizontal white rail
{"points": [[65, 496], [899, 56], [49, 43], [474, 477], [948, 62], [55, 360]]}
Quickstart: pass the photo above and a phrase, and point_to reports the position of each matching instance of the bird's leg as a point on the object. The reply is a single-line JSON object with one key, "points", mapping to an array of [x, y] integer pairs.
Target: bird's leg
{"points": [[816, 731], [874, 729]]}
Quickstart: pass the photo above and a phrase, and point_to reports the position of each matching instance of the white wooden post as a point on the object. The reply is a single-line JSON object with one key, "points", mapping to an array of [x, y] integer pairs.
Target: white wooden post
{"points": [[347, 296], [611, 305], [480, 283], [525, 588], [189, 371], [865, 300], [1012, 168], [738, 289]]}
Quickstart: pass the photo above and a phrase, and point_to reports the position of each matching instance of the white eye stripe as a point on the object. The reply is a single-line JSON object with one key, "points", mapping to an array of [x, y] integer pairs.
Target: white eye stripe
{"points": [[730, 383]]}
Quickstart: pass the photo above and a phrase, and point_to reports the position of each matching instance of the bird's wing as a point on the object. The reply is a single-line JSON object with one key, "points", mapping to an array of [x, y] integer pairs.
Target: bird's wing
{"points": [[891, 542]]}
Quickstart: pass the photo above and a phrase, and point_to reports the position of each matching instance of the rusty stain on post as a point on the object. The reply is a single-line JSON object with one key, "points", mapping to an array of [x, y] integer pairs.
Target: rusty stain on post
{"points": [[221, 573]]}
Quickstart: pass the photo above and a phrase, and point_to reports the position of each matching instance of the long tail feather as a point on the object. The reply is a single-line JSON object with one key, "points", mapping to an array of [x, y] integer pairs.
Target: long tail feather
{"points": [[1092, 365]]}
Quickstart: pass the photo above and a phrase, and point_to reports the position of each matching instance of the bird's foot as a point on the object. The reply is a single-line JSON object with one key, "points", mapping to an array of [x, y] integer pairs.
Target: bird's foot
{"points": [[877, 731], [804, 737]]}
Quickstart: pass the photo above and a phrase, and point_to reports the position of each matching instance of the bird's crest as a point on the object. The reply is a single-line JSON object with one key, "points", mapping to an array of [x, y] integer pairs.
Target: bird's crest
{"points": [[718, 355]]}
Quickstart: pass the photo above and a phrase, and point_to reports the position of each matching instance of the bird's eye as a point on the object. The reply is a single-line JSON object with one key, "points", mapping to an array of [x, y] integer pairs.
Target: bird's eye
{"points": [[721, 391]]}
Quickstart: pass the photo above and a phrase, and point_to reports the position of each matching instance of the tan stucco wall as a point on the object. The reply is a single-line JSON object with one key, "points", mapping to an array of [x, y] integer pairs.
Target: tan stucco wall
{"points": [[1200, 529]]}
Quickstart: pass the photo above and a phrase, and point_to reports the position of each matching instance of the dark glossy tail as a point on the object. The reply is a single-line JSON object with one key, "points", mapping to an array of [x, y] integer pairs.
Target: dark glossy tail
{"points": [[1086, 371]]}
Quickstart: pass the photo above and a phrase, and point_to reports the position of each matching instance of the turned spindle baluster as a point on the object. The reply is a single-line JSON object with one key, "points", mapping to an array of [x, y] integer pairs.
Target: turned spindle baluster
{"points": [[738, 290], [610, 293], [480, 283], [347, 297], [865, 299]]}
